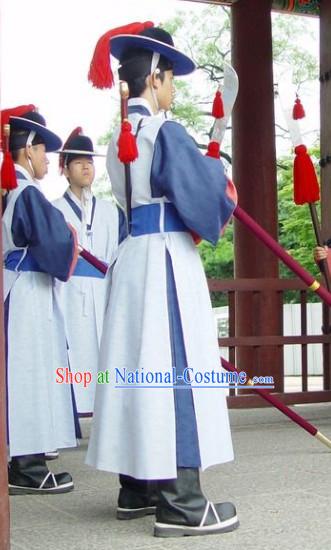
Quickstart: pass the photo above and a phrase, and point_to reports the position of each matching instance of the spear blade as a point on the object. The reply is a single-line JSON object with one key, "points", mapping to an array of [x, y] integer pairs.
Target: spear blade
{"points": [[229, 93]]}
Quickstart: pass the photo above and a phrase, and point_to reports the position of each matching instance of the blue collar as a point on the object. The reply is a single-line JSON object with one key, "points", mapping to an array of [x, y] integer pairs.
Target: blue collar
{"points": [[139, 109], [20, 175], [78, 211]]}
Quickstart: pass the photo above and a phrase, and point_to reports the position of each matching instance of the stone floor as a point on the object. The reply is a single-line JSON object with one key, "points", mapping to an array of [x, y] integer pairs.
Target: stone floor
{"points": [[280, 481]]}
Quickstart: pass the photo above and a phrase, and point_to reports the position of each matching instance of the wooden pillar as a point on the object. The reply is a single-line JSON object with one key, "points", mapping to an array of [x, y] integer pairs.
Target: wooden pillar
{"points": [[254, 173], [4, 501], [325, 74]]}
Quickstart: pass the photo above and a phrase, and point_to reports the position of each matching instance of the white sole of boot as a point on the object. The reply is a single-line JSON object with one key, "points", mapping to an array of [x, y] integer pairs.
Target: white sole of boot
{"points": [[18, 490], [172, 530]]}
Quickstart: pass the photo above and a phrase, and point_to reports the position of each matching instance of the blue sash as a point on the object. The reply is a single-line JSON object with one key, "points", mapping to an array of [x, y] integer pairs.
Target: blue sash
{"points": [[82, 269], [27, 264], [146, 219]]}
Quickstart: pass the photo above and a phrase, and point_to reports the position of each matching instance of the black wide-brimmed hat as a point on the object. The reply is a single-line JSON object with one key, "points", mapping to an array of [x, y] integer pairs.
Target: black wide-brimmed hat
{"points": [[119, 41], [79, 145], [33, 121], [156, 40], [76, 145]]}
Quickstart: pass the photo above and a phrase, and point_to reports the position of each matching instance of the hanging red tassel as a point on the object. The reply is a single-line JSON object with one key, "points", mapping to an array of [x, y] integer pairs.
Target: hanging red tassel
{"points": [[127, 145], [8, 175], [305, 183], [213, 150], [218, 108], [100, 73], [298, 110]]}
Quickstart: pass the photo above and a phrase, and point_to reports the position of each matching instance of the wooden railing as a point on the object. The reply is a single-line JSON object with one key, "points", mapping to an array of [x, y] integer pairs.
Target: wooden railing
{"points": [[233, 286]]}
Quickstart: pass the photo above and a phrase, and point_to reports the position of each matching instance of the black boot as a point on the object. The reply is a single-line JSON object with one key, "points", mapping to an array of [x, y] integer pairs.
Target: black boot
{"points": [[184, 510], [137, 498], [29, 474]]}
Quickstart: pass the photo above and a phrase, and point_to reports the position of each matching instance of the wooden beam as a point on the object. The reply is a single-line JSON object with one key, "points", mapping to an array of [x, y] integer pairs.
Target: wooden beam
{"points": [[325, 97], [310, 7]]}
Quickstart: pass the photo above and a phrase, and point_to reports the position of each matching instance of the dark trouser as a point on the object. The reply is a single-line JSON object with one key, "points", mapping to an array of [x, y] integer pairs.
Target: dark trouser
{"points": [[178, 500], [181, 500], [136, 493]]}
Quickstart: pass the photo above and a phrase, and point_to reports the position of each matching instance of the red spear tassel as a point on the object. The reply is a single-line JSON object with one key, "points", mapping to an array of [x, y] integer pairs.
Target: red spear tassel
{"points": [[305, 184], [298, 110], [218, 108], [127, 145], [8, 175], [213, 150]]}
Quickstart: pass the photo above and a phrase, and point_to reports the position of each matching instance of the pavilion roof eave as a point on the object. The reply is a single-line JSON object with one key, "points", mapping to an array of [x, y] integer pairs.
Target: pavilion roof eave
{"points": [[298, 7]]}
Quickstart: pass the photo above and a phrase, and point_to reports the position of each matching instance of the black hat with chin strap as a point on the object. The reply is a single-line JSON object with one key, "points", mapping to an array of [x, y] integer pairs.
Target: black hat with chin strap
{"points": [[77, 145], [31, 128]]}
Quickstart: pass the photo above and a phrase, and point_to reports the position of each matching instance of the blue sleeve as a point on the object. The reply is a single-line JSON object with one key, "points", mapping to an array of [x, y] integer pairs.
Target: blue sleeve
{"points": [[194, 183], [41, 227], [122, 225]]}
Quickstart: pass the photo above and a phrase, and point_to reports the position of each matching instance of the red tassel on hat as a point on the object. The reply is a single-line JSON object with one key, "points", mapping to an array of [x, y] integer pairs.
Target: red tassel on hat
{"points": [[305, 188], [298, 110], [218, 108], [127, 145], [14, 111], [213, 150], [100, 73], [76, 132]]}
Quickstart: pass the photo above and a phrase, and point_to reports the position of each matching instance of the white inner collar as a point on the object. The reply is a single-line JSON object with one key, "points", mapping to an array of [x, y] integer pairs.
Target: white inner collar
{"points": [[140, 101], [24, 172]]}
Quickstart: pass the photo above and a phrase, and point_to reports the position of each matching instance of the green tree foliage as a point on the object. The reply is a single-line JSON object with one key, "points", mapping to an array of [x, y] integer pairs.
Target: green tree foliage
{"points": [[207, 40], [289, 50], [296, 234], [218, 261]]}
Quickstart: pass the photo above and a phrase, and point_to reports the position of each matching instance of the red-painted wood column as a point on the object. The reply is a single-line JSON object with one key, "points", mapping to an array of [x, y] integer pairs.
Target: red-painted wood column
{"points": [[254, 172], [325, 73], [4, 501]]}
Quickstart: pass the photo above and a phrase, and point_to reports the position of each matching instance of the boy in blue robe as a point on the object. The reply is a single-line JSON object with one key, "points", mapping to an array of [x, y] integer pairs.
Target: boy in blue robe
{"points": [[38, 245], [100, 227], [159, 317]]}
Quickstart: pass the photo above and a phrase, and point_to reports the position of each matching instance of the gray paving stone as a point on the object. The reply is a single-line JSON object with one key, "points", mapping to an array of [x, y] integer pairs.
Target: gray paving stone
{"points": [[280, 482]]}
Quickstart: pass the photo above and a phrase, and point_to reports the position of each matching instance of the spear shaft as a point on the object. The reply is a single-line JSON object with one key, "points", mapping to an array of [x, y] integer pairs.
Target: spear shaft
{"points": [[276, 402], [275, 247], [124, 92]]}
